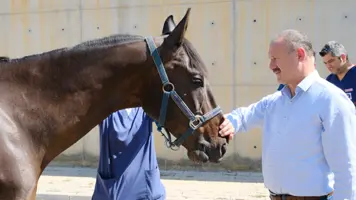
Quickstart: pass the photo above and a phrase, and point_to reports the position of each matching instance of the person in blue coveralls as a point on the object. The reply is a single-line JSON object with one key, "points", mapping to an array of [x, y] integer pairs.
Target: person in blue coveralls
{"points": [[128, 168], [343, 72]]}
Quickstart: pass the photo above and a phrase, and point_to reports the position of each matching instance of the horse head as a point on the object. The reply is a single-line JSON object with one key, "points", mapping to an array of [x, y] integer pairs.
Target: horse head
{"points": [[180, 97]]}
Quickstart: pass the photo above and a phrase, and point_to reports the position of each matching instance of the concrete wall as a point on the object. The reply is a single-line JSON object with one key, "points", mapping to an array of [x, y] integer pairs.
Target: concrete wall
{"points": [[231, 36]]}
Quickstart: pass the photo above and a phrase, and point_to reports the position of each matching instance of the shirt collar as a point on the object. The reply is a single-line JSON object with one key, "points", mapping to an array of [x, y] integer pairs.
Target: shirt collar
{"points": [[305, 84], [308, 81]]}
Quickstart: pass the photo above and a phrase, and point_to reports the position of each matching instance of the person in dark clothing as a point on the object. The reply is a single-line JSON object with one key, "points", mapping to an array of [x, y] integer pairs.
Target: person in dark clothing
{"points": [[343, 72]]}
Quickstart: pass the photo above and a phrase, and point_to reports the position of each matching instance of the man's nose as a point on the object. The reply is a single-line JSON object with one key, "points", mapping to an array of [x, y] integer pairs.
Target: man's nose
{"points": [[272, 66]]}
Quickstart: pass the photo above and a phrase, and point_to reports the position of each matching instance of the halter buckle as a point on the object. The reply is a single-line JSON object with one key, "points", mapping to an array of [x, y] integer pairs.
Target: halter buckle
{"points": [[196, 122]]}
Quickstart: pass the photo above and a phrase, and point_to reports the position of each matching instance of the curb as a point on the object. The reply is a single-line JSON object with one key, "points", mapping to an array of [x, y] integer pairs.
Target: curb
{"points": [[61, 197]]}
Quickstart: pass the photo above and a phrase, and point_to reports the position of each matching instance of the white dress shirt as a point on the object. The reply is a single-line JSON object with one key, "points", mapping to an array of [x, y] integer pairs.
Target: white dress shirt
{"points": [[309, 141]]}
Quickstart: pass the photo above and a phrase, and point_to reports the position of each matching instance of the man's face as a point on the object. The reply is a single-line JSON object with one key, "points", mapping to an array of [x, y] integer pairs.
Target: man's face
{"points": [[333, 63], [283, 61]]}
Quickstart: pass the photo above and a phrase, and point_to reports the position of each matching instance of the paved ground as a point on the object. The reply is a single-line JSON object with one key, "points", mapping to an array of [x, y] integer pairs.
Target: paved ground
{"points": [[59, 183]]}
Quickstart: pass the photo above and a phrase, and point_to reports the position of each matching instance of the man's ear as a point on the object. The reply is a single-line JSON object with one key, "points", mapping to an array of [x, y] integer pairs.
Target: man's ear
{"points": [[301, 53], [343, 57]]}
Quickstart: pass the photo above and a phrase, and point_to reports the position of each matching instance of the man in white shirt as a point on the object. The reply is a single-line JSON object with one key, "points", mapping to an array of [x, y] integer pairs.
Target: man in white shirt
{"points": [[309, 127]]}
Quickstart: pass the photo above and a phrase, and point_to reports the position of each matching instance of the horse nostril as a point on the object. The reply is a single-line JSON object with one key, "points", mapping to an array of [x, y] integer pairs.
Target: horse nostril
{"points": [[223, 149]]}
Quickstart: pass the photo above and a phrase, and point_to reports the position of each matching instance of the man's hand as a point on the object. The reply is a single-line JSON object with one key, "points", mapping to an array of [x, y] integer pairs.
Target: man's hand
{"points": [[227, 129]]}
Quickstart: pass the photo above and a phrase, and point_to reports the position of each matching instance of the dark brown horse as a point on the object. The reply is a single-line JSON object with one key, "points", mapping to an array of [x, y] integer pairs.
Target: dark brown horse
{"points": [[49, 101]]}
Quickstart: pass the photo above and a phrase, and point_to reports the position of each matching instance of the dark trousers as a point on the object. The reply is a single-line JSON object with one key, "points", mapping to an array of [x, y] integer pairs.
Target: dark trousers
{"points": [[274, 196]]}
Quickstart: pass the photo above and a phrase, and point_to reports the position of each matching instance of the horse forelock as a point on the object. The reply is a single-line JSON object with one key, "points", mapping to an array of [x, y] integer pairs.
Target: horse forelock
{"points": [[195, 61]]}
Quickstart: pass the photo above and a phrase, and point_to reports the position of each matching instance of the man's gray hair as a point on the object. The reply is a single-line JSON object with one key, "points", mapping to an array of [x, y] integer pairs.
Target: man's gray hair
{"points": [[335, 48], [296, 39]]}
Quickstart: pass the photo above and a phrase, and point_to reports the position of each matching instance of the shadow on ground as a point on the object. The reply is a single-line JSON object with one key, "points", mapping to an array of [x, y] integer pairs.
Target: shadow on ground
{"points": [[247, 177], [233, 168]]}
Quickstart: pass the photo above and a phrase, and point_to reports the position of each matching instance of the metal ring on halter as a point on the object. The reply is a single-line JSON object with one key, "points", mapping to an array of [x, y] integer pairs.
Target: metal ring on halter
{"points": [[198, 120], [168, 87], [170, 145]]}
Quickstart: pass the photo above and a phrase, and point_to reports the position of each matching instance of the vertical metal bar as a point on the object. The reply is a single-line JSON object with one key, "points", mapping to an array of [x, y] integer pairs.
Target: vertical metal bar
{"points": [[234, 16]]}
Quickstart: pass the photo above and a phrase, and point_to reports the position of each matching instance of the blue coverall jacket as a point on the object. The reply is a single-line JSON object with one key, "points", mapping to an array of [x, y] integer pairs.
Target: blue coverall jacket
{"points": [[128, 168]]}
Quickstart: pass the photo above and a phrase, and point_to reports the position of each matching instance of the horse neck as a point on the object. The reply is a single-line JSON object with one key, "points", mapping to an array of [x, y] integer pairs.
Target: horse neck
{"points": [[106, 80]]}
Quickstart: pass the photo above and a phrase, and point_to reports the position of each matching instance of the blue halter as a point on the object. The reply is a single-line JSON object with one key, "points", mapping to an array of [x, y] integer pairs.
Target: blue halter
{"points": [[195, 121]]}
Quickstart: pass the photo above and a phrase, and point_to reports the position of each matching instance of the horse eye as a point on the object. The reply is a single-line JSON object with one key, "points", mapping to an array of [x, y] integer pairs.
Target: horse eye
{"points": [[198, 81]]}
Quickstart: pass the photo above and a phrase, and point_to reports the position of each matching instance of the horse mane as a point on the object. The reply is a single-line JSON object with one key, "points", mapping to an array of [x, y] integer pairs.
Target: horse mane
{"points": [[105, 42], [109, 41]]}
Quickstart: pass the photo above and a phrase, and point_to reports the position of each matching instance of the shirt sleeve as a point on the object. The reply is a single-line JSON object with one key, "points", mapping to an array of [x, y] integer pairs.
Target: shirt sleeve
{"points": [[339, 144], [245, 118]]}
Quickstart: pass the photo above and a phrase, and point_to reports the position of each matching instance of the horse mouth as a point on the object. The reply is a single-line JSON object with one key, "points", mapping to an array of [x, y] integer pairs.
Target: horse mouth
{"points": [[198, 156], [204, 153]]}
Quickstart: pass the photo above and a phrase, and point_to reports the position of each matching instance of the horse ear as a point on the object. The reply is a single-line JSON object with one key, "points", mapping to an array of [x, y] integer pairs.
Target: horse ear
{"points": [[168, 25], [175, 38]]}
